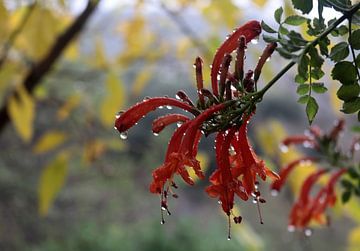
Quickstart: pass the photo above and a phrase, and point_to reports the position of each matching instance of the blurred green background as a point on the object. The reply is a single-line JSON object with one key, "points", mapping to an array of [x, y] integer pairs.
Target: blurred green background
{"points": [[67, 180]]}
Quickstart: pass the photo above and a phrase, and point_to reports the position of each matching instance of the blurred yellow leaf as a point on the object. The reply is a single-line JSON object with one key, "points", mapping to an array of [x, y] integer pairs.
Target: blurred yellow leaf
{"points": [[51, 181], [260, 3], [225, 11], [270, 136], [21, 110], [49, 141], [39, 31], [114, 144], [353, 209], [336, 103], [92, 151], [72, 102], [204, 163], [113, 102], [354, 239], [141, 80], [3, 21], [100, 57], [72, 51]]}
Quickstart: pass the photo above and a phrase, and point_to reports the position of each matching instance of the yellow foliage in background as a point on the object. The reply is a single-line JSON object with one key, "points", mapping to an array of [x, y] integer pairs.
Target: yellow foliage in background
{"points": [[49, 141], [21, 109], [51, 181], [114, 100], [70, 104]]}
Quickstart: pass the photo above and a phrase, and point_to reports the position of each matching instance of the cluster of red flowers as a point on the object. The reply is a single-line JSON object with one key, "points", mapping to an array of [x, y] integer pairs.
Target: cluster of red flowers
{"points": [[309, 206], [223, 110]]}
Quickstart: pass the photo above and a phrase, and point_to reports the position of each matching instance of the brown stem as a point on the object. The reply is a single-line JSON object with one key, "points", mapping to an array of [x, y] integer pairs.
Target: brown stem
{"points": [[40, 69]]}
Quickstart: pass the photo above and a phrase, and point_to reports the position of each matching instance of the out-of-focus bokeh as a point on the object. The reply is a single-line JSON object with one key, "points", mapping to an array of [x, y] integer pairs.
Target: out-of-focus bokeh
{"points": [[67, 180]]}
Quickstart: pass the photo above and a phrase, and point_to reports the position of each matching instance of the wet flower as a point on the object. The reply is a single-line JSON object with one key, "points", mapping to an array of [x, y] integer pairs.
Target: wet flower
{"points": [[224, 110]]}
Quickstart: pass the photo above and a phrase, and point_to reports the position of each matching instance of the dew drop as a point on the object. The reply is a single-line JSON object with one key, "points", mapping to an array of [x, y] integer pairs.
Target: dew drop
{"points": [[155, 134], [308, 232], [210, 66], [162, 222], [255, 201], [124, 135], [255, 41], [283, 148], [169, 107], [268, 59], [177, 97], [291, 228], [229, 238], [163, 208], [274, 192], [178, 124], [161, 107], [115, 128], [194, 66], [307, 144], [219, 202], [146, 98]]}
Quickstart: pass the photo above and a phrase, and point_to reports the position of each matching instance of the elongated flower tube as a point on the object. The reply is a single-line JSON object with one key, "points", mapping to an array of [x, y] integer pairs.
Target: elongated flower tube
{"points": [[160, 123], [250, 31]]}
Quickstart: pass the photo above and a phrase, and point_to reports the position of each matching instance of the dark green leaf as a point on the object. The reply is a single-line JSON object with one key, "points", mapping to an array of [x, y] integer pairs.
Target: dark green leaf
{"points": [[323, 44], [270, 39], [297, 39], [278, 13], [317, 73], [304, 5], [345, 197], [355, 39], [347, 184], [283, 30], [299, 79], [351, 106], [318, 87], [303, 99], [303, 89], [295, 20], [311, 109], [284, 53], [267, 28], [345, 72], [342, 30], [303, 66], [339, 52], [315, 59], [353, 173], [348, 92]]}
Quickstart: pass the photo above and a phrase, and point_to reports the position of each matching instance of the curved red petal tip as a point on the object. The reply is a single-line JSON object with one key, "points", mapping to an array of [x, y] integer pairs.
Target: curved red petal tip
{"points": [[250, 30], [296, 139], [308, 184], [136, 112], [161, 122]]}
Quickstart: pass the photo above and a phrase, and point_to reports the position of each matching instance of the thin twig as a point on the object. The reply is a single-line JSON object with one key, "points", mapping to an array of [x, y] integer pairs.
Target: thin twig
{"points": [[11, 40], [352, 48], [40, 69]]}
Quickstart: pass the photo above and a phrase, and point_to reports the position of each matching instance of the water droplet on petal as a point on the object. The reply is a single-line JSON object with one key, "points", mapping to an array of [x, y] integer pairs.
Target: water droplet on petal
{"points": [[162, 222], [219, 202], [229, 238], [255, 41], [169, 107], [274, 192], [155, 134], [255, 201], [194, 65], [146, 98], [177, 97], [268, 59], [283, 148], [291, 228], [115, 128], [123, 135], [210, 66], [308, 232], [178, 124]]}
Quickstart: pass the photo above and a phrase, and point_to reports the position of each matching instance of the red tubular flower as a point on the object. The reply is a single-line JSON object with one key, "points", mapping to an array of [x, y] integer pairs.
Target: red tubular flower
{"points": [[284, 173], [160, 123], [129, 118], [309, 208], [298, 139], [250, 30], [227, 115]]}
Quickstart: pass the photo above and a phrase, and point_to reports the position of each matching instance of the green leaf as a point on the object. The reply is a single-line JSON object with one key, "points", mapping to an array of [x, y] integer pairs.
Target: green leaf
{"points": [[303, 66], [277, 15], [304, 5], [339, 52], [345, 72], [348, 92], [283, 30], [311, 109], [303, 89], [357, 60], [284, 53], [345, 197], [267, 28], [299, 79], [303, 99], [355, 39], [270, 39], [317, 73], [351, 106], [318, 87], [295, 20], [315, 59], [347, 184], [323, 44], [342, 30], [297, 39], [353, 173]]}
